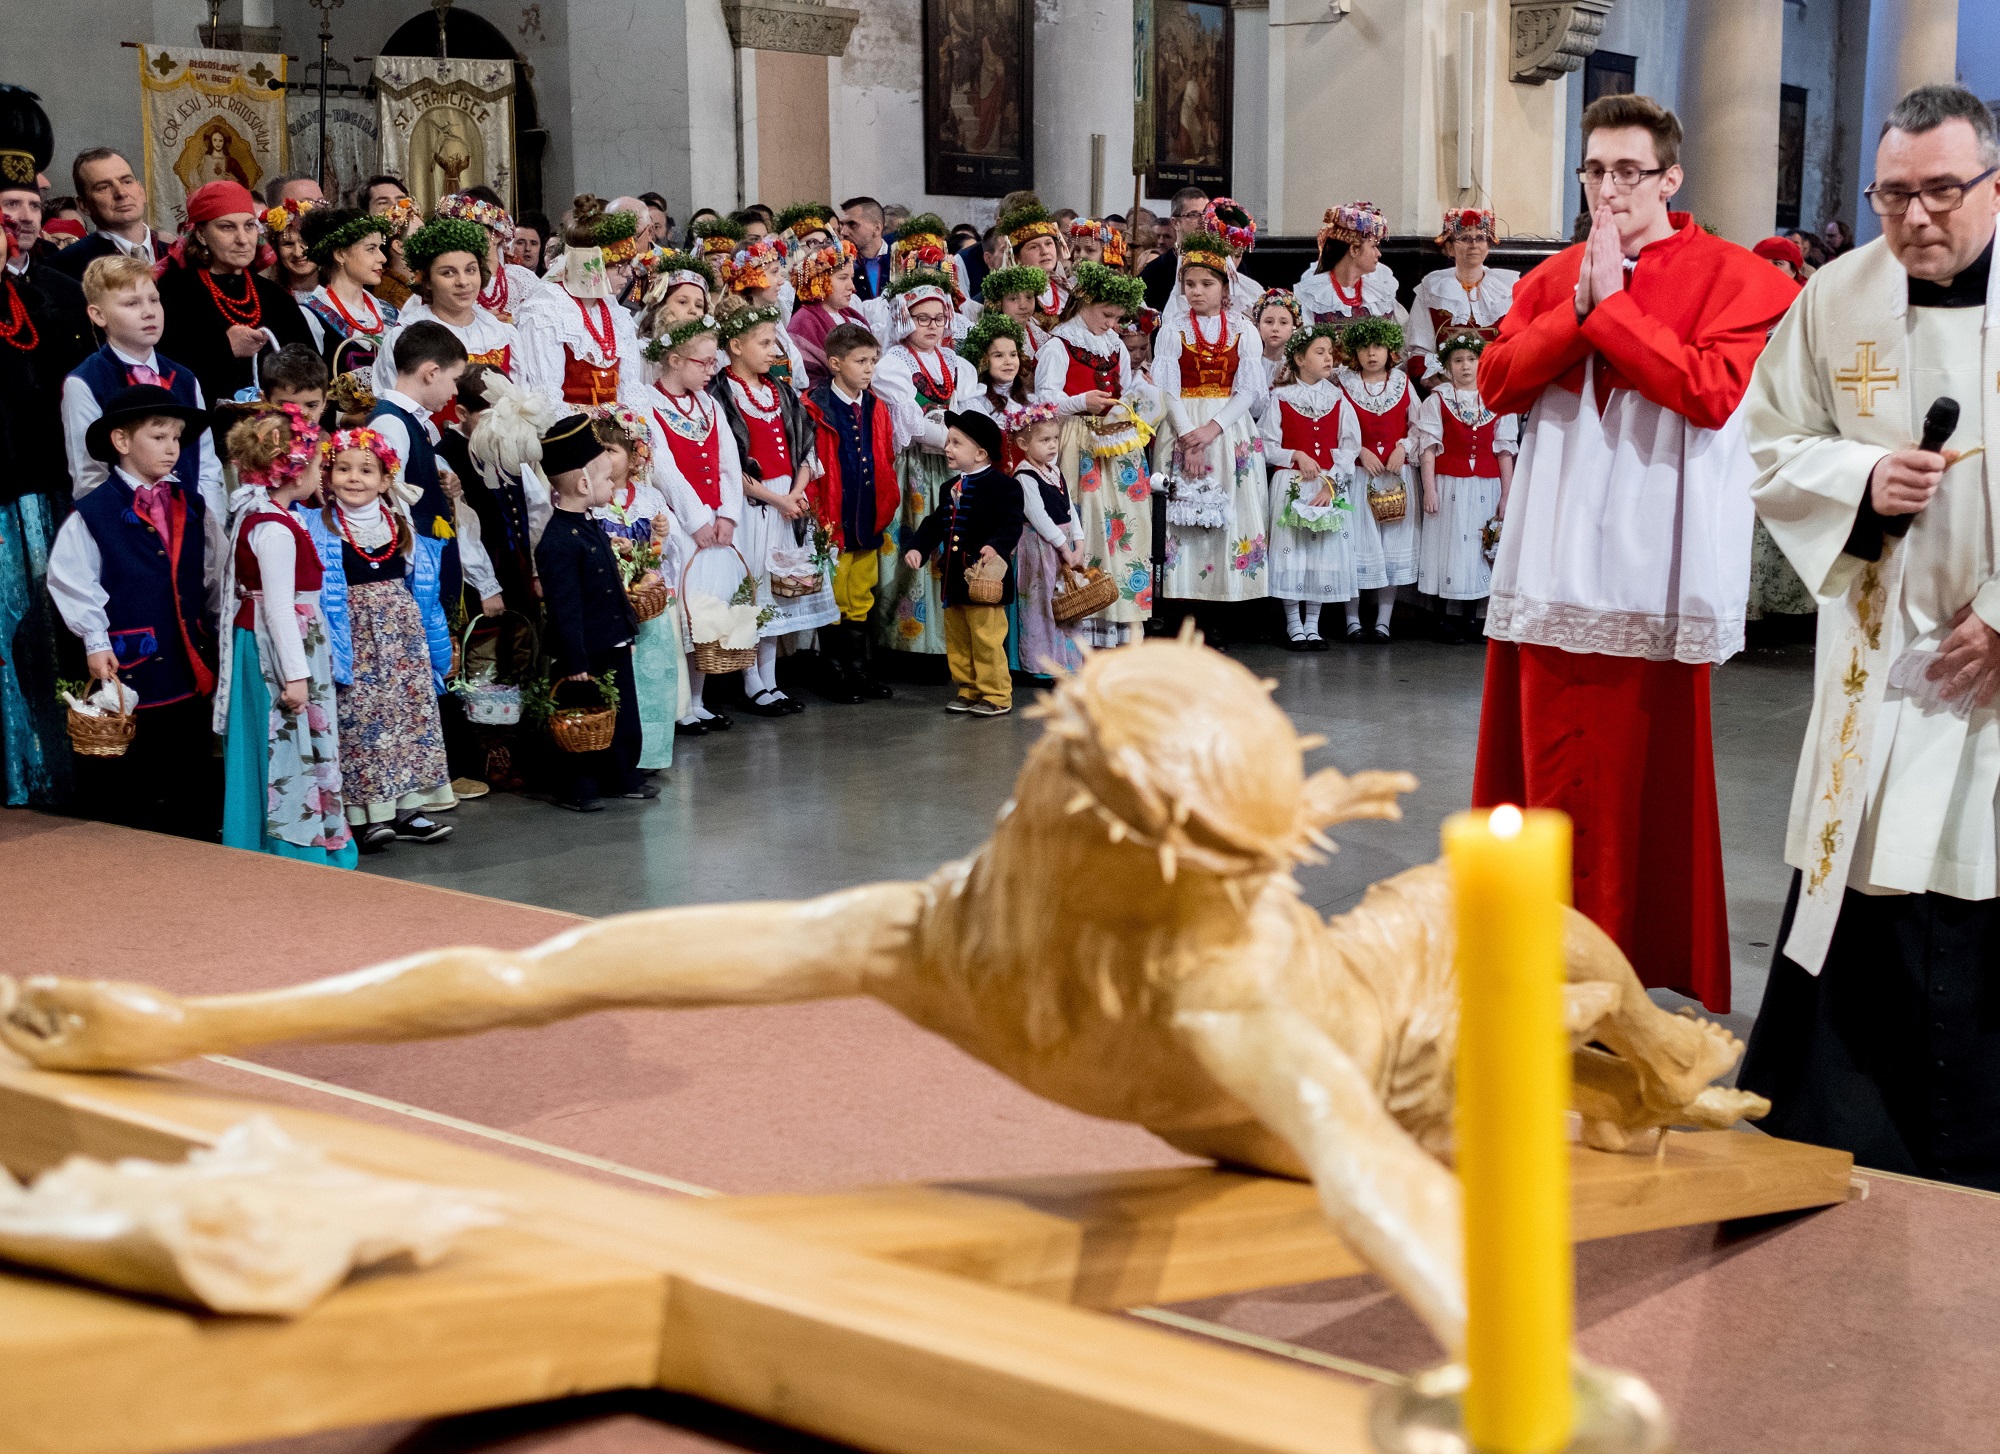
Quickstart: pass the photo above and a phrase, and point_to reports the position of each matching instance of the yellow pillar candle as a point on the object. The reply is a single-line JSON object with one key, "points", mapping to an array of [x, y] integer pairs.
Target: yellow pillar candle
{"points": [[1511, 876]]}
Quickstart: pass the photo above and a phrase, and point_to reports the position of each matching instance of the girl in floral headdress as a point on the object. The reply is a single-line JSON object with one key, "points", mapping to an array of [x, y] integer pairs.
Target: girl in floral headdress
{"points": [[921, 247], [508, 284], [680, 288], [391, 645], [1349, 278], [1052, 539], [996, 348], [1276, 317], [799, 229], [450, 259], [274, 700], [349, 323], [1209, 368], [822, 278], [785, 545], [1311, 436], [718, 238], [1032, 235], [579, 348], [1467, 454], [1086, 373], [1385, 477], [640, 523], [1016, 292], [295, 271], [1231, 221], [1468, 296], [920, 379], [697, 467], [754, 275]]}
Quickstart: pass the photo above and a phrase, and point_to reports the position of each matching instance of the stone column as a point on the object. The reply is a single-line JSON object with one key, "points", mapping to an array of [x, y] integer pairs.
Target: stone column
{"points": [[1911, 43], [1732, 58], [784, 97]]}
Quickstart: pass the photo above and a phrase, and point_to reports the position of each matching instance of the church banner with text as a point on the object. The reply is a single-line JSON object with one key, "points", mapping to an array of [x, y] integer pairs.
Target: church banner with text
{"points": [[447, 125], [209, 115], [353, 140]]}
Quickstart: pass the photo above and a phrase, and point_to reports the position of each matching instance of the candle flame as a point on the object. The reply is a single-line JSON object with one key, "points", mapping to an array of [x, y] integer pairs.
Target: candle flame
{"points": [[1505, 821]]}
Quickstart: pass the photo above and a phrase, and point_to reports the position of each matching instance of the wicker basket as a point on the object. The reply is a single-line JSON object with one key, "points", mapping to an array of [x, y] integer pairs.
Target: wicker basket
{"points": [[985, 590], [1388, 506], [712, 658], [489, 703], [583, 729], [648, 596], [793, 587], [102, 736], [1084, 593]]}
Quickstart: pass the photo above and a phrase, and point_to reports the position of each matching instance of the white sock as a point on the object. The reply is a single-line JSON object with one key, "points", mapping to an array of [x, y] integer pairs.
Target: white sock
{"points": [[1308, 616], [1385, 606], [1353, 606], [696, 679], [762, 675], [1293, 626]]}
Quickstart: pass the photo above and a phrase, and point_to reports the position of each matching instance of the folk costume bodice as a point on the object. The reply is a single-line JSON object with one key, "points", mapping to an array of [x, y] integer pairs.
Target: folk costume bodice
{"points": [[1315, 436], [764, 424], [1382, 409], [307, 573], [689, 424], [1208, 363], [1467, 451]]}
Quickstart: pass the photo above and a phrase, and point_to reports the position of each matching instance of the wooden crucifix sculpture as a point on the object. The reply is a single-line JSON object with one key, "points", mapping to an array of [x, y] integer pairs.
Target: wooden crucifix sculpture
{"points": [[1130, 942]]}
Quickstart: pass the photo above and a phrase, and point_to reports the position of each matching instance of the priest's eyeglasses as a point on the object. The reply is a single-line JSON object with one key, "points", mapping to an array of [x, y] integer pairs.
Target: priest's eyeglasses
{"points": [[1624, 179], [1938, 197]]}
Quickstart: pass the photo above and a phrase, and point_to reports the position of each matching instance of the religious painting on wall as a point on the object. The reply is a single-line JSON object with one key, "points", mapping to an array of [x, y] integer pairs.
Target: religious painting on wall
{"points": [[978, 96], [1189, 93], [1791, 154], [446, 125]]}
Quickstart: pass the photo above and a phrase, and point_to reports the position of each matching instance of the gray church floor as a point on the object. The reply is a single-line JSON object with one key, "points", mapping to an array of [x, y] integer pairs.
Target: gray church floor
{"points": [[842, 795]]}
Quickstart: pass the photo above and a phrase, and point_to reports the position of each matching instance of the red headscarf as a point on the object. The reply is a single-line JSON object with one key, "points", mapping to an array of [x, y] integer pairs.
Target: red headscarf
{"points": [[1776, 249], [219, 199]]}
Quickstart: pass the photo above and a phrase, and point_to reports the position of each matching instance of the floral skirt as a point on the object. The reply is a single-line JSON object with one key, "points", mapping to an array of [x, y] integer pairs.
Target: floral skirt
{"points": [[909, 604], [1113, 497], [282, 791], [1044, 647], [1224, 562], [391, 742]]}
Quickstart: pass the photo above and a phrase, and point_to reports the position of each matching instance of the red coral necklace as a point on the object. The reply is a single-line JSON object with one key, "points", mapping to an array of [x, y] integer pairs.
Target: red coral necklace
{"points": [[247, 311], [18, 323]]}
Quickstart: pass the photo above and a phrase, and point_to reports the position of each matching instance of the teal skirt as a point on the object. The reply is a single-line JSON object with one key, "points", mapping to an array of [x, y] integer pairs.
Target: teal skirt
{"points": [[656, 677], [247, 803]]}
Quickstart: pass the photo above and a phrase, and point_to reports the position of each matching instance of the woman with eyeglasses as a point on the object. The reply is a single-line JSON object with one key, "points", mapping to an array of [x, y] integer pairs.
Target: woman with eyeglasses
{"points": [[1624, 556]]}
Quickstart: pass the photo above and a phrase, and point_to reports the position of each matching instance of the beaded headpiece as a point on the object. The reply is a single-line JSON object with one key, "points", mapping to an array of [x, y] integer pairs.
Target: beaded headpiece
{"points": [[666, 271], [1232, 222], [740, 321], [1353, 222], [813, 269], [1005, 282], [342, 440], [464, 207], [1206, 250], [990, 325], [1366, 332], [1299, 342], [301, 448], [351, 232], [1027, 416], [1025, 223], [679, 336], [1459, 221], [755, 265], [1277, 298], [718, 236], [287, 213], [1467, 342], [1101, 283], [616, 424], [442, 235]]}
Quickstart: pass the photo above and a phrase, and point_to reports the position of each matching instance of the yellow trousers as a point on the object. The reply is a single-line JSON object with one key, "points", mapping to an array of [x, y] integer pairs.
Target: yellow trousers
{"points": [[975, 643], [855, 574]]}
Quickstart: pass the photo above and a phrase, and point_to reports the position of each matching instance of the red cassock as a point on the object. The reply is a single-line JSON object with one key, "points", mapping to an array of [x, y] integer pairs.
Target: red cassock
{"points": [[1622, 743]]}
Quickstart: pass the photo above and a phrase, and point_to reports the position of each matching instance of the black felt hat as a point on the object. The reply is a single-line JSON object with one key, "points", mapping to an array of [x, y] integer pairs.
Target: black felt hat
{"points": [[127, 406], [981, 429], [27, 143], [570, 444]]}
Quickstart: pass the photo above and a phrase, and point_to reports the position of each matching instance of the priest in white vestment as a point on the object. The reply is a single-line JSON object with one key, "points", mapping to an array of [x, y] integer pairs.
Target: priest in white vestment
{"points": [[1880, 1028]]}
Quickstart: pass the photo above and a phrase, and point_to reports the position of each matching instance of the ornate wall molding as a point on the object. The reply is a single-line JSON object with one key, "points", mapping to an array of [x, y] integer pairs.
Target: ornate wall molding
{"points": [[808, 27], [1553, 37]]}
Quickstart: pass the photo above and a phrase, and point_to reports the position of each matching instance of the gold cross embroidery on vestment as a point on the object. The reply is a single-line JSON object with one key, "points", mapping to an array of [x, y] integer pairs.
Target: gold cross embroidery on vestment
{"points": [[1863, 379]]}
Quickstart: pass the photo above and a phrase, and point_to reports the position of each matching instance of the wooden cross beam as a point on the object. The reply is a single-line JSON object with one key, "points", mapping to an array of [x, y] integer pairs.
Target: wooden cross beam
{"points": [[828, 1314]]}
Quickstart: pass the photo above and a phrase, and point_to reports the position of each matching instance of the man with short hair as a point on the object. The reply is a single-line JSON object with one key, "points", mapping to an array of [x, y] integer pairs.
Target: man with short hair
{"points": [[379, 193], [296, 188], [861, 224], [1878, 1032], [116, 202], [1162, 274], [30, 260], [1624, 565]]}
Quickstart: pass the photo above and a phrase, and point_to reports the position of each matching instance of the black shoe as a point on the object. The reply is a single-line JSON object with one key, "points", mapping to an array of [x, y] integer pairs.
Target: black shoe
{"points": [[766, 703], [1379, 636], [642, 792], [792, 705], [416, 828], [718, 721], [860, 649], [1315, 642], [696, 728], [579, 805], [1353, 636], [1295, 643], [375, 837]]}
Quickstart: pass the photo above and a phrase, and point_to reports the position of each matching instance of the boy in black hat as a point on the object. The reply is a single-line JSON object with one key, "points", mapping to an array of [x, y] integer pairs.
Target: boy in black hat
{"points": [[979, 519], [136, 572], [591, 623]]}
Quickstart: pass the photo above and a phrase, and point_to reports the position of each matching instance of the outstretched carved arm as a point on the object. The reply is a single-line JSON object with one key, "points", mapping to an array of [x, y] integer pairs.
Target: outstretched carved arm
{"points": [[722, 954], [1389, 1200]]}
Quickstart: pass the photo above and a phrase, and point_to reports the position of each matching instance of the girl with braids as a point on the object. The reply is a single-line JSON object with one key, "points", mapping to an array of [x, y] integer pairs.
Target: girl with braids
{"points": [[579, 348], [920, 379], [774, 439], [822, 278], [449, 258], [1107, 413], [698, 468], [1385, 551], [1349, 278], [1467, 453], [1208, 366], [349, 324], [275, 698], [1311, 437]]}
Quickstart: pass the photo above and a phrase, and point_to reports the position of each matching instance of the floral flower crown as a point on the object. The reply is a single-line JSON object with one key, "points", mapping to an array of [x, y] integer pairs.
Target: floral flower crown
{"points": [[1027, 416], [1027, 222], [1206, 250], [805, 217], [992, 324], [739, 322], [1352, 223], [334, 445], [616, 424], [302, 447], [617, 234], [351, 232], [289, 212], [1101, 283], [812, 270], [1004, 282], [718, 236], [757, 265], [1231, 221], [464, 207], [403, 212], [679, 336], [669, 270], [1277, 298], [1459, 221], [1367, 332], [1302, 340], [441, 235], [352, 392], [1467, 342]]}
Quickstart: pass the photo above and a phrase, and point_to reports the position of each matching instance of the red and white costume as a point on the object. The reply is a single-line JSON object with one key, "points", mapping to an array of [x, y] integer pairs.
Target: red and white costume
{"points": [[1469, 439], [1323, 300], [1443, 307], [580, 352], [486, 338], [703, 480], [1621, 577]]}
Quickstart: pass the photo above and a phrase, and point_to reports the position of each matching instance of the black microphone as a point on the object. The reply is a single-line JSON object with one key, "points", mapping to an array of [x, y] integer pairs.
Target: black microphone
{"points": [[1939, 425]]}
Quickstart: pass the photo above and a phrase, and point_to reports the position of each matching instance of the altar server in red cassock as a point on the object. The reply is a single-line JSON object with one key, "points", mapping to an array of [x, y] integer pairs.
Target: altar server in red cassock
{"points": [[1624, 559]]}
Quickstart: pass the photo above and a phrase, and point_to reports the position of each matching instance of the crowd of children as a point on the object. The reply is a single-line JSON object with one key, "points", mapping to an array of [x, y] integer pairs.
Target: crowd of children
{"points": [[603, 487]]}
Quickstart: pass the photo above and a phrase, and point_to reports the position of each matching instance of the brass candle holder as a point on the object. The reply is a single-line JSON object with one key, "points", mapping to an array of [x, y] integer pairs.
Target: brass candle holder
{"points": [[1616, 1413]]}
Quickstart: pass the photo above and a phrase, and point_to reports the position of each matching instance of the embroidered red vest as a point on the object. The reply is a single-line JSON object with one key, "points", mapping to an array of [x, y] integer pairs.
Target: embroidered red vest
{"points": [[1467, 452], [585, 384], [699, 461], [1381, 433], [1087, 371], [307, 574], [1316, 437]]}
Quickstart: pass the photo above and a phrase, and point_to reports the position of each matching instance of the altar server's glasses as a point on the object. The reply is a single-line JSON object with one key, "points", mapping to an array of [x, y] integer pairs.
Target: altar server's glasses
{"points": [[1938, 197], [1623, 179]]}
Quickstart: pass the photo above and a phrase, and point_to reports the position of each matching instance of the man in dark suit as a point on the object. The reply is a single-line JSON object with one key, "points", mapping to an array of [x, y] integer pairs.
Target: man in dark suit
{"points": [[116, 202], [1163, 272]]}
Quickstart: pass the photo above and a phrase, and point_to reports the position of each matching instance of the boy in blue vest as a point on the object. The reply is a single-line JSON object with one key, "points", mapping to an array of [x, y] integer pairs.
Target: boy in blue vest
{"points": [[124, 304], [136, 572]]}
